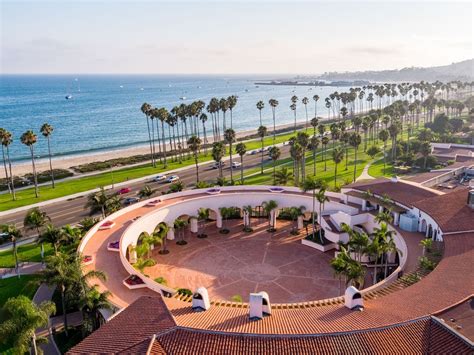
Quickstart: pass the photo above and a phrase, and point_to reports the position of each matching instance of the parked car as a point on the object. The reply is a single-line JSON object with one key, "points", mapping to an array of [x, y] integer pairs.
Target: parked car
{"points": [[173, 178], [236, 164], [253, 152], [131, 200], [160, 178], [124, 190]]}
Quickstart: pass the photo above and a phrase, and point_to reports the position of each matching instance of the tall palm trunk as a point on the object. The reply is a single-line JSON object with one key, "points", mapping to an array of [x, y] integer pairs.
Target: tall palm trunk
{"points": [[149, 140], [355, 163], [164, 143], [11, 174], [205, 137], [7, 178], [242, 169], [335, 174], [261, 163], [230, 155], [50, 163], [63, 305], [34, 170], [153, 143], [158, 140]]}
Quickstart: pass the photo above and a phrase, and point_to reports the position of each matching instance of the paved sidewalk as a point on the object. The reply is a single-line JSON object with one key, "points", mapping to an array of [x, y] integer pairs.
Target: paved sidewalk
{"points": [[365, 173], [45, 293], [26, 268]]}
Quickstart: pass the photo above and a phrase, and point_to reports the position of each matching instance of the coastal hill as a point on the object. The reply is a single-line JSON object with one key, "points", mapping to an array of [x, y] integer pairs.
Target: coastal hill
{"points": [[463, 71]]}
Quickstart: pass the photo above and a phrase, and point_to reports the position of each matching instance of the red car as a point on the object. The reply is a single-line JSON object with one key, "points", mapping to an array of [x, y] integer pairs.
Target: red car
{"points": [[124, 190]]}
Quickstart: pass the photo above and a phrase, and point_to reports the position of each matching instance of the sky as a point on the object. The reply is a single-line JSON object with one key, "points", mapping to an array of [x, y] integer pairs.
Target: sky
{"points": [[284, 37]]}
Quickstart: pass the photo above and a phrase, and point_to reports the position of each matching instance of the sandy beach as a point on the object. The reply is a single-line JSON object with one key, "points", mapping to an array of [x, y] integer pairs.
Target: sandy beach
{"points": [[65, 162]]}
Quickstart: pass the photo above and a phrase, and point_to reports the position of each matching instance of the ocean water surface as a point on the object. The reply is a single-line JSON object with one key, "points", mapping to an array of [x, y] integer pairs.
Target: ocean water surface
{"points": [[104, 111]]}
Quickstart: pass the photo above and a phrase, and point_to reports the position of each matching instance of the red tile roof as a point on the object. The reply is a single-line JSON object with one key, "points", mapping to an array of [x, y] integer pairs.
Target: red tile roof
{"points": [[399, 191], [423, 336], [143, 318], [450, 211]]}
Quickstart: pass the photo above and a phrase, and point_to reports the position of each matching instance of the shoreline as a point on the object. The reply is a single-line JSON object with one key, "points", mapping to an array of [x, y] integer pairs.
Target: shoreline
{"points": [[66, 162]]}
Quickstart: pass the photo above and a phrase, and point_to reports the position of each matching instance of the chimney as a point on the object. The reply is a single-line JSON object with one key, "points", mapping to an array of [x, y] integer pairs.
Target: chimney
{"points": [[470, 199]]}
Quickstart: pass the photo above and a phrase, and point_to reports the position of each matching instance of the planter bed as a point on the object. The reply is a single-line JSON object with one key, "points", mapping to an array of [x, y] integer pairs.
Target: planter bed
{"points": [[113, 246], [328, 245], [87, 260], [276, 189], [133, 282], [107, 225], [213, 191], [153, 203]]}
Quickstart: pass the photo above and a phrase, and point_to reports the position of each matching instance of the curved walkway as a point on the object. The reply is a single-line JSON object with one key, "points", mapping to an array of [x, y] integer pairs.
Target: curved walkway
{"points": [[365, 173]]}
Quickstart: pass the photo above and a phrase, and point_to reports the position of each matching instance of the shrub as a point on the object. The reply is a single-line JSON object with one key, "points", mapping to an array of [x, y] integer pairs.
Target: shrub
{"points": [[184, 292], [161, 280], [426, 264], [237, 298]]}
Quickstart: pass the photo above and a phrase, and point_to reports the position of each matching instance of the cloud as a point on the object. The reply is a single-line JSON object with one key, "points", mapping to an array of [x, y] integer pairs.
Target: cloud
{"points": [[372, 50]]}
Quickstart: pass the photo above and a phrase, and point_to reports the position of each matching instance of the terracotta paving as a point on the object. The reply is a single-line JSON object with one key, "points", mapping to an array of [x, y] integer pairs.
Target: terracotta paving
{"points": [[239, 263]]}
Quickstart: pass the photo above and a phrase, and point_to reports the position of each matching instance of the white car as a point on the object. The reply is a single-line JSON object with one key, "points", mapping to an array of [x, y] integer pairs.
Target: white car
{"points": [[160, 178], [173, 178], [236, 164]]}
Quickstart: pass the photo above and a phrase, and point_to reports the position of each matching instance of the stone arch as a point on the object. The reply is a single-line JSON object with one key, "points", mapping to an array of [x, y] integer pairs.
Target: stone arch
{"points": [[423, 226]]}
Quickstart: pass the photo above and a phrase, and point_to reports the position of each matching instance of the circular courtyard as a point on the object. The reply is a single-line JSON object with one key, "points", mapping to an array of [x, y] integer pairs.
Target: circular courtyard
{"points": [[233, 265]]}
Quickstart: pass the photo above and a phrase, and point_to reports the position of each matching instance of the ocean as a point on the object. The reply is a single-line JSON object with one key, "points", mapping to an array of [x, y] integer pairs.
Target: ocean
{"points": [[104, 111]]}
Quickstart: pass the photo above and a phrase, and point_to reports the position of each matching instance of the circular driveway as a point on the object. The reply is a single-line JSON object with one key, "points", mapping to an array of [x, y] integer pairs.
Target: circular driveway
{"points": [[239, 263]]}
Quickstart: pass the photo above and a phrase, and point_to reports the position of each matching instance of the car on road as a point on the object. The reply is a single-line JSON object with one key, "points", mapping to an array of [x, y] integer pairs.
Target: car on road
{"points": [[236, 164], [253, 152], [215, 165], [131, 200], [160, 178], [173, 178], [124, 190]]}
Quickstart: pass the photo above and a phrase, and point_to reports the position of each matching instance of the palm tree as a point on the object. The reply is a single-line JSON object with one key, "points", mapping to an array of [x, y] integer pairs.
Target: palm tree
{"points": [[311, 184], [386, 237], [315, 98], [274, 153], [314, 141], [14, 234], [143, 263], [269, 207], [23, 318], [384, 217], [194, 143], [283, 176], [101, 201], [260, 106], [293, 108], [218, 152], [161, 233], [46, 130], [203, 216], [247, 222], [305, 101], [303, 139], [162, 115], [29, 139], [179, 226], [59, 272], [53, 236], [36, 219], [262, 132], [6, 139], [146, 191], [296, 153], [229, 138], [337, 156], [225, 212], [91, 304], [241, 149], [383, 136], [295, 212], [324, 142], [354, 141], [231, 102], [203, 119], [146, 108], [273, 104], [425, 150]]}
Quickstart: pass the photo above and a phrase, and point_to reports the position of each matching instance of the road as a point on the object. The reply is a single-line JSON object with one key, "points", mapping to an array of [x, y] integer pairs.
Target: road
{"points": [[72, 211]]}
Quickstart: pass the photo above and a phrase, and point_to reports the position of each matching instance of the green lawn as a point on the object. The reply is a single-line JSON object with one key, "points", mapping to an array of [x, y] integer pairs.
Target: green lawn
{"points": [[377, 170], [28, 252]]}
